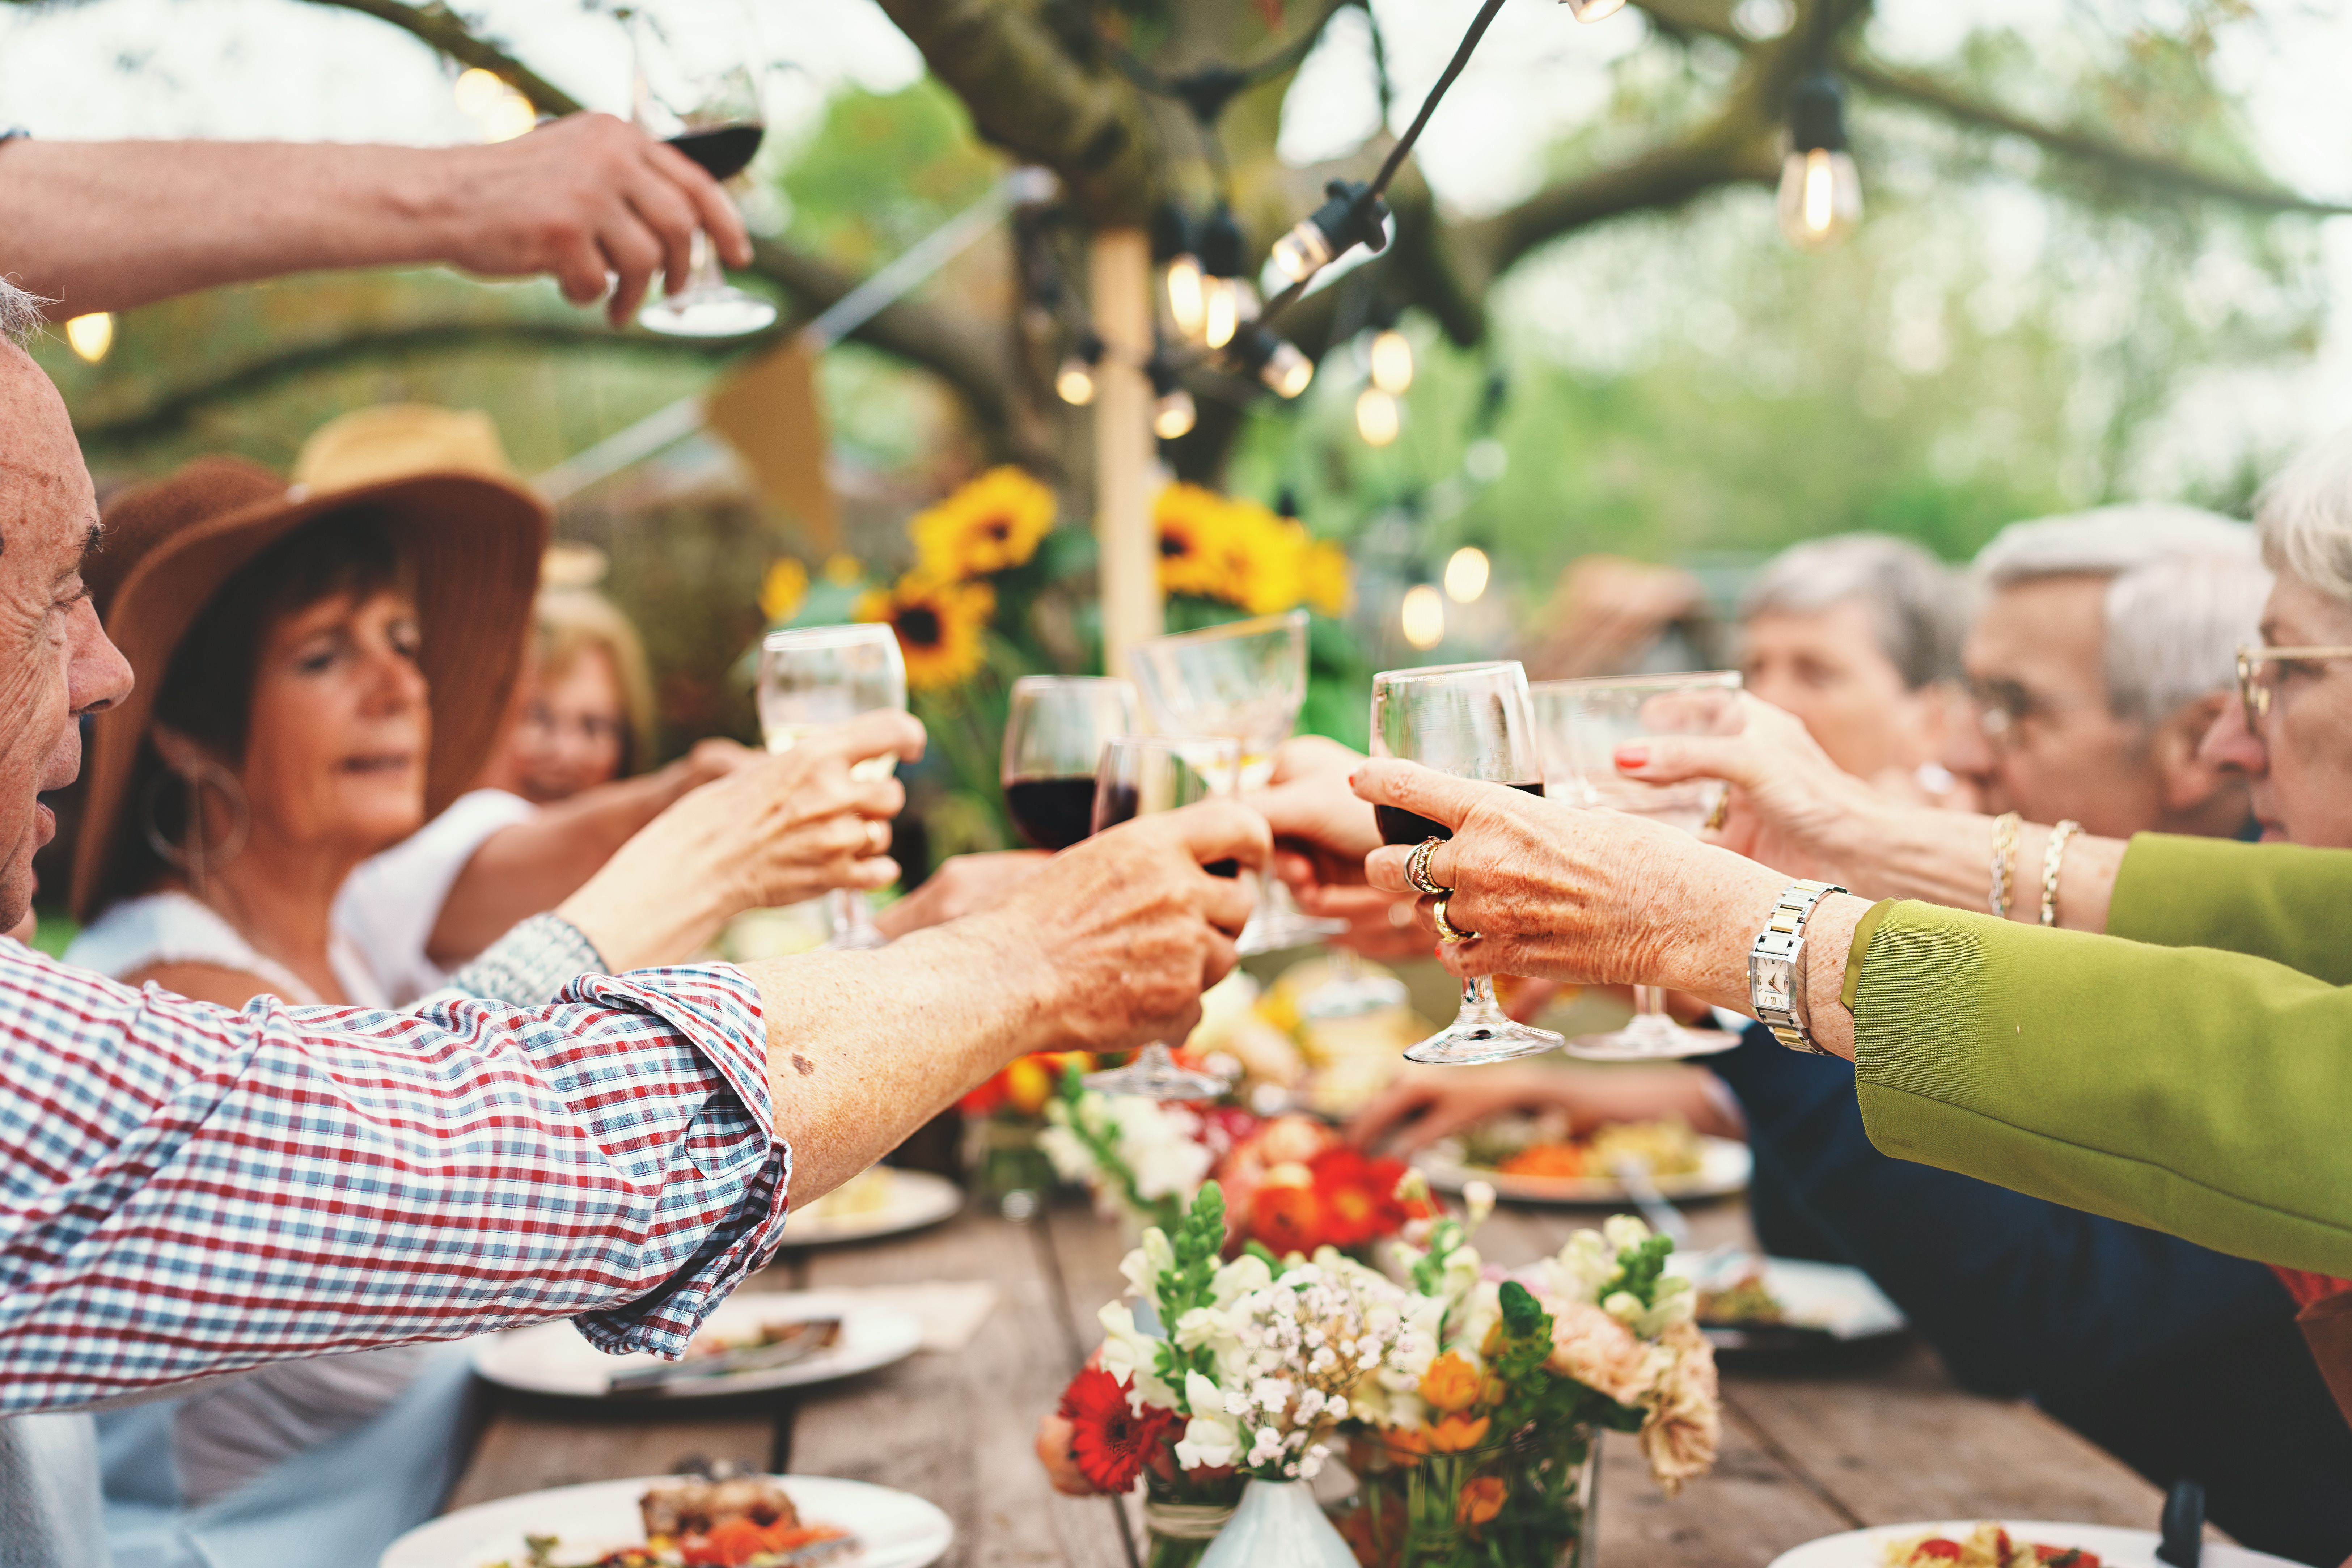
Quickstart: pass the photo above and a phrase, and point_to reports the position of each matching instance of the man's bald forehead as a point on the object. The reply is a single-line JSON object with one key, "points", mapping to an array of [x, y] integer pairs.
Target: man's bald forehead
{"points": [[43, 483]]}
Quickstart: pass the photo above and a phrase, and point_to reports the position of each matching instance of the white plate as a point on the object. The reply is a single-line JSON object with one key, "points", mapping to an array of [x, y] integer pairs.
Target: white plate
{"points": [[917, 1198], [2117, 1547], [898, 1530], [553, 1358], [1724, 1164], [1825, 1298]]}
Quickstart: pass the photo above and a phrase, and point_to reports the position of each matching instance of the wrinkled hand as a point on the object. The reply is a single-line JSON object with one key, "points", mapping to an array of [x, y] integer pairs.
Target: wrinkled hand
{"points": [[715, 759], [962, 885], [1791, 808], [782, 829], [1562, 893], [1130, 925], [590, 199]]}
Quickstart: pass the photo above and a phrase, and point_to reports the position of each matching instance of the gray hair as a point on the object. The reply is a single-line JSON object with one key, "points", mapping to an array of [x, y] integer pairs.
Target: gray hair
{"points": [[2185, 588], [1916, 603], [20, 312], [2304, 516]]}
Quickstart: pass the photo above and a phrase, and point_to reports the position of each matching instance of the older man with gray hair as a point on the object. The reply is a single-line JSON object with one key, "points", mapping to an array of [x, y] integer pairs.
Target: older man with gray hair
{"points": [[2102, 650]]}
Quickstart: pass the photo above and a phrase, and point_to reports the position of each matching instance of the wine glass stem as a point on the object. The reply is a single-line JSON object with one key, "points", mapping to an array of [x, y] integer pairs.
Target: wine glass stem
{"points": [[852, 922], [1649, 1002], [703, 274]]}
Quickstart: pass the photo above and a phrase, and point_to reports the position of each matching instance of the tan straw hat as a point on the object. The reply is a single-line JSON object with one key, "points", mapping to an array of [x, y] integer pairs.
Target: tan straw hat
{"points": [[474, 537]]}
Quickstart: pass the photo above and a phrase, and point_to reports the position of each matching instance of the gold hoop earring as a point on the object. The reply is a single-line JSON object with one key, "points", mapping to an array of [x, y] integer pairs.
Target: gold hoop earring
{"points": [[197, 859]]}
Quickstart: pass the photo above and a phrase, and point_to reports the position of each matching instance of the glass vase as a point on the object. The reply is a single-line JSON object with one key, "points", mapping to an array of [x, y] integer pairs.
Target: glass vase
{"points": [[1278, 1524], [1527, 1501], [1182, 1516]]}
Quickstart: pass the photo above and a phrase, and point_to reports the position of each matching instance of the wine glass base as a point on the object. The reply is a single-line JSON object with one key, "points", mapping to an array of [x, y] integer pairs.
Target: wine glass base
{"points": [[1467, 1042], [1354, 998], [1649, 1038], [1273, 930], [723, 313], [1143, 1080]]}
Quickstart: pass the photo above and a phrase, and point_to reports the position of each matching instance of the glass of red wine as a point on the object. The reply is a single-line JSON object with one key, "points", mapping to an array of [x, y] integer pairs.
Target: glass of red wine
{"points": [[695, 90], [1579, 725], [1136, 775], [1471, 720], [1054, 731]]}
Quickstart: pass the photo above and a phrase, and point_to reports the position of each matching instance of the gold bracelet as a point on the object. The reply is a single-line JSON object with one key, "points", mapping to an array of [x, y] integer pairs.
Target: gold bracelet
{"points": [[2004, 861], [2050, 858]]}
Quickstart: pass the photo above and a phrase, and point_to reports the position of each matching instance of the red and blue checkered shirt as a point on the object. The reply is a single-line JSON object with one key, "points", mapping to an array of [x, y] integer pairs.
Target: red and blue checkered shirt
{"points": [[185, 1189]]}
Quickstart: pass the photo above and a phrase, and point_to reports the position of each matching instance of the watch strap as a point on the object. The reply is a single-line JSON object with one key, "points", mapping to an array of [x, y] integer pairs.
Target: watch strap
{"points": [[1776, 966]]}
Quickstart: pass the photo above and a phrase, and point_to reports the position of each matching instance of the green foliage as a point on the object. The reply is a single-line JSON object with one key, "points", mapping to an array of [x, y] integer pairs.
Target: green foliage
{"points": [[1639, 1270], [1187, 1284]]}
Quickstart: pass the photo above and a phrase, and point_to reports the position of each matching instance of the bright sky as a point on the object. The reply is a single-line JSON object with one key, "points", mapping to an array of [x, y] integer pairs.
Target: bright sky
{"points": [[287, 68]]}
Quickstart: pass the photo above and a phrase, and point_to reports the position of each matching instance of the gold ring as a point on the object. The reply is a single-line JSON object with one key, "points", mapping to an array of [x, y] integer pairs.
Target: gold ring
{"points": [[1446, 929], [1720, 815], [877, 836], [1416, 868]]}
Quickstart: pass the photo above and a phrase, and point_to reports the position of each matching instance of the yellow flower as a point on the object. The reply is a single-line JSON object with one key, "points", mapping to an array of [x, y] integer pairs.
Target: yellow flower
{"points": [[1191, 523], [992, 524], [782, 589], [1263, 554], [1326, 578], [939, 625], [841, 570], [1451, 1383]]}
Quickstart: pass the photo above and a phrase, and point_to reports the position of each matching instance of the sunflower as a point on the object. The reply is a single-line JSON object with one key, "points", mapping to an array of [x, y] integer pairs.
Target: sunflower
{"points": [[939, 625], [782, 589], [1192, 524], [992, 524], [1265, 555]]}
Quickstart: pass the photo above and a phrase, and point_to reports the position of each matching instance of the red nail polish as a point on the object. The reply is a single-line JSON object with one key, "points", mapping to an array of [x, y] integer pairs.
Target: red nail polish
{"points": [[1633, 756]]}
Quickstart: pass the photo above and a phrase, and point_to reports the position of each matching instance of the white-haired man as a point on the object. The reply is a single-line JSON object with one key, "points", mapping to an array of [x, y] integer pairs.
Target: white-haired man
{"points": [[2098, 658]]}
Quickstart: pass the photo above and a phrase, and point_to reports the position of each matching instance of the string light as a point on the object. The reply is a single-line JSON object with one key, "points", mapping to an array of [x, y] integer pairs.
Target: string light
{"points": [[1391, 361], [498, 111], [1352, 214], [1275, 362], [1422, 618], [90, 336], [1076, 380], [1172, 413], [1227, 298], [1377, 416], [1821, 190], [1175, 248], [1467, 571]]}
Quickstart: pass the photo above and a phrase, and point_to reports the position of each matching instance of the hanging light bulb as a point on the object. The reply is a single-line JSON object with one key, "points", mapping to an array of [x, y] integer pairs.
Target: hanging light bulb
{"points": [[1466, 571], [1175, 248], [1422, 617], [1391, 358], [1336, 227], [1377, 416], [1172, 412], [1187, 306], [1594, 10], [1275, 362], [1227, 298], [90, 336], [1821, 190], [1076, 380]]}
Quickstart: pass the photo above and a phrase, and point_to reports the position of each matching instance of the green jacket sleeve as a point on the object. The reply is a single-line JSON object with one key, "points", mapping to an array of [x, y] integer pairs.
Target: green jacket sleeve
{"points": [[2204, 1093], [2290, 905]]}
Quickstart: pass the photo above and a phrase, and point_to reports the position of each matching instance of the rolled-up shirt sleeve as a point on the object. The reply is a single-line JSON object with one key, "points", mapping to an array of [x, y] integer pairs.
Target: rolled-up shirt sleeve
{"points": [[186, 1190]]}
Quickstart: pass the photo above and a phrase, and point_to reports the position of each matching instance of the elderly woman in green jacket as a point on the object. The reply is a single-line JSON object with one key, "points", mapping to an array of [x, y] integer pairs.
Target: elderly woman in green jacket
{"points": [[2178, 1055]]}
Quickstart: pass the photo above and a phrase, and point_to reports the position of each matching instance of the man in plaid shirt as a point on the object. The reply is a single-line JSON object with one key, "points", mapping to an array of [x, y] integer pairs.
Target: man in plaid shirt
{"points": [[188, 1190]]}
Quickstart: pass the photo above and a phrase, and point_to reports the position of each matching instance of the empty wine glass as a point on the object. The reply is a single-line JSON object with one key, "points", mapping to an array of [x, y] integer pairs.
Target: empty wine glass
{"points": [[818, 676], [695, 88], [1471, 720], [1137, 775], [1246, 679], [1053, 733], [1580, 725]]}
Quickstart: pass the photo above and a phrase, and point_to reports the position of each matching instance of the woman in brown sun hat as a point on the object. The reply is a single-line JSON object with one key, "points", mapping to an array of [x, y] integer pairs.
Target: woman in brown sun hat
{"points": [[315, 673]]}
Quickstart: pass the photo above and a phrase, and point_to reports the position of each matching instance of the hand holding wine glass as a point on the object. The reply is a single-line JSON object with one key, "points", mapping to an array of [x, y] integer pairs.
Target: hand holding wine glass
{"points": [[816, 676], [1054, 732], [696, 90]]}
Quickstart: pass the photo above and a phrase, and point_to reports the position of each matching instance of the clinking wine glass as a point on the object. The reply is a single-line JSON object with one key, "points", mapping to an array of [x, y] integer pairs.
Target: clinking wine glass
{"points": [[1054, 731], [695, 88], [1580, 725], [1139, 774], [1471, 720], [818, 675], [1247, 680]]}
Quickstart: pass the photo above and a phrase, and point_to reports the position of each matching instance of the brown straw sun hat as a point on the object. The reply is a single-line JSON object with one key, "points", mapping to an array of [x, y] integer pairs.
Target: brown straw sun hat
{"points": [[474, 535]]}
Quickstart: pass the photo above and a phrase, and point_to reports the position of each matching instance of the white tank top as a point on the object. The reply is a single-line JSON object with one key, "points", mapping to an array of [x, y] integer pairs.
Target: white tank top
{"points": [[138, 934]]}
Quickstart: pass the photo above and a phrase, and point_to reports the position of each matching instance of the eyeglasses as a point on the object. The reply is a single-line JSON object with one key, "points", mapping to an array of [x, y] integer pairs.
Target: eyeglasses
{"points": [[594, 729], [2254, 687], [2002, 706]]}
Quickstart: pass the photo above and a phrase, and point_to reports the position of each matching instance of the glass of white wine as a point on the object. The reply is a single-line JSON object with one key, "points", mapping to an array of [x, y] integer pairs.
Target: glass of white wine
{"points": [[813, 676]]}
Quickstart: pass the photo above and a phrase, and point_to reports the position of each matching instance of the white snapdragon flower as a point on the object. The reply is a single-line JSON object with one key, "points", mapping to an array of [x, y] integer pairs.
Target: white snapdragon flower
{"points": [[1210, 1440], [1130, 1353], [1145, 1265], [1157, 1142], [1234, 1280]]}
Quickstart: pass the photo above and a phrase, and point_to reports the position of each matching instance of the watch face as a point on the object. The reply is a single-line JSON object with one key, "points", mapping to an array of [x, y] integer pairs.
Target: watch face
{"points": [[1771, 979]]}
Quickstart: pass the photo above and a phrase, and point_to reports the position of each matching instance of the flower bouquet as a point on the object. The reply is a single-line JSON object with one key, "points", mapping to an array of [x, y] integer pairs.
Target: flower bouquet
{"points": [[1477, 1444], [1002, 1120], [1293, 1185]]}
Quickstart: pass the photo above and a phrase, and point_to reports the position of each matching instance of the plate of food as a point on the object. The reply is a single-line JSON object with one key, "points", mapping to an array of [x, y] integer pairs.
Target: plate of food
{"points": [[1534, 1158], [1748, 1302], [2012, 1544], [750, 1341], [879, 1201], [681, 1521]]}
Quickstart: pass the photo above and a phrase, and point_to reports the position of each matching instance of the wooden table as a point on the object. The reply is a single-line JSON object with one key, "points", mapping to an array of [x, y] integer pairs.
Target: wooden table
{"points": [[1871, 1436]]}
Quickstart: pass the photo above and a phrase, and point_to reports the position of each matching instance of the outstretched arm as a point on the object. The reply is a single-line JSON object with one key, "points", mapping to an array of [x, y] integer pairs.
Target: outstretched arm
{"points": [[107, 226]]}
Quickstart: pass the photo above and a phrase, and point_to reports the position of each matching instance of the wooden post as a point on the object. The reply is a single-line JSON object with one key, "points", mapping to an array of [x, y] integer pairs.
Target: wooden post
{"points": [[1119, 276]]}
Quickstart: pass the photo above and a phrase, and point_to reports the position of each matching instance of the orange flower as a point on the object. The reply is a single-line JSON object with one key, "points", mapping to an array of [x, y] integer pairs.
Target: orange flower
{"points": [[1406, 1445], [1458, 1434], [1450, 1385], [1482, 1499]]}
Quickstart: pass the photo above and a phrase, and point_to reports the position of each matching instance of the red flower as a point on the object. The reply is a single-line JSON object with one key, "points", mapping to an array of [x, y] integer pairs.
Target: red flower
{"points": [[1289, 1219], [1107, 1439]]}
